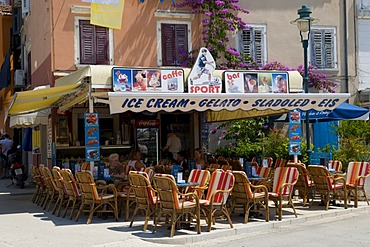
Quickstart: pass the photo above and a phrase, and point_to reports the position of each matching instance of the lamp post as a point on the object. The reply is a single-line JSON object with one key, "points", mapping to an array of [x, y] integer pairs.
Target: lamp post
{"points": [[304, 25]]}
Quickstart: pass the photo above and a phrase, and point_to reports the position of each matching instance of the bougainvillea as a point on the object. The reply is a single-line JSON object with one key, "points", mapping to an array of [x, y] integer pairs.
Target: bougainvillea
{"points": [[220, 19]]}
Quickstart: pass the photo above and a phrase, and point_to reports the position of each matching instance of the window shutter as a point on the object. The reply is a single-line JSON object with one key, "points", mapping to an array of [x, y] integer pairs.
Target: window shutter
{"points": [[102, 45], [87, 43], [94, 43], [258, 44], [247, 42], [252, 43], [329, 48], [181, 42], [168, 44], [322, 46]]}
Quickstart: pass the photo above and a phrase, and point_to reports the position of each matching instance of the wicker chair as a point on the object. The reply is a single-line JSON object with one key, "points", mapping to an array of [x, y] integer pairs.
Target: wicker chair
{"points": [[248, 195], [202, 178], [329, 187], [356, 175], [284, 180], [40, 192], [219, 189], [170, 204], [74, 195], [95, 200], [145, 196], [304, 184], [335, 164], [62, 190], [52, 189]]}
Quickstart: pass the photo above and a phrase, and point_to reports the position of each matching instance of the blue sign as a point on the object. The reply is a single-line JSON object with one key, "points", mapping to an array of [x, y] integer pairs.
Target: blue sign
{"points": [[295, 133], [92, 136]]}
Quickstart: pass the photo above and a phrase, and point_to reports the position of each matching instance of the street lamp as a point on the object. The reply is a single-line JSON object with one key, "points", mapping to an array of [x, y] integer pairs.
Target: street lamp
{"points": [[304, 26]]}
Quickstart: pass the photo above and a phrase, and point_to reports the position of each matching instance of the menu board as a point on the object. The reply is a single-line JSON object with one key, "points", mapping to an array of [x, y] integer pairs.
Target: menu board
{"points": [[92, 139], [295, 133]]}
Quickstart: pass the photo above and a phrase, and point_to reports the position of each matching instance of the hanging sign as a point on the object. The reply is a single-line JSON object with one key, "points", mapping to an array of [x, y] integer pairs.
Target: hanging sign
{"points": [[295, 133], [147, 80], [256, 82], [92, 139], [201, 79]]}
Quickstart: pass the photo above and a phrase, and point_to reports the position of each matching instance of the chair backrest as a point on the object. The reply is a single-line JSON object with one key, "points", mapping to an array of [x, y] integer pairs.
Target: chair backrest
{"points": [[59, 180], [87, 185], [150, 171], [167, 191], [85, 166], [201, 177], [37, 176], [335, 164], [303, 179], [142, 187], [321, 177], [284, 175], [70, 183], [127, 168], [268, 160], [220, 180], [242, 188], [48, 178], [263, 172], [355, 170], [280, 162]]}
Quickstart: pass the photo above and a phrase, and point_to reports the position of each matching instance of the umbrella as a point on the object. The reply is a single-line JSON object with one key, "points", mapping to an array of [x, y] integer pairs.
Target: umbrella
{"points": [[344, 111]]}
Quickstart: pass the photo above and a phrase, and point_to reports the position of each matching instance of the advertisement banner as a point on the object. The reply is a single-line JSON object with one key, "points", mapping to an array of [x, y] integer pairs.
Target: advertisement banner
{"points": [[295, 133], [148, 80], [36, 140], [92, 136]]}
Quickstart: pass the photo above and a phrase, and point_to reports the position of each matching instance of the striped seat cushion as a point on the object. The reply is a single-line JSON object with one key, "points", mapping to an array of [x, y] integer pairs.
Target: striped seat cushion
{"points": [[355, 170], [220, 180], [282, 176]]}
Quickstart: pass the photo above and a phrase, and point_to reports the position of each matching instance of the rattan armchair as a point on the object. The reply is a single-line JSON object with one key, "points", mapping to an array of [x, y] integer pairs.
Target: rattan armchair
{"points": [[248, 195], [94, 199], [170, 203], [356, 175], [327, 186], [62, 191], [304, 184], [74, 194]]}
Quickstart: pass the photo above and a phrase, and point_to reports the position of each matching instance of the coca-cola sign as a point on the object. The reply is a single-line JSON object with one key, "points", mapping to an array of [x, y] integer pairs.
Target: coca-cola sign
{"points": [[147, 123]]}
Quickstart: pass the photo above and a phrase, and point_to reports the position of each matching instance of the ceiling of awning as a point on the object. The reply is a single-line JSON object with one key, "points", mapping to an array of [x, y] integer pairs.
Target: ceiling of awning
{"points": [[35, 100]]}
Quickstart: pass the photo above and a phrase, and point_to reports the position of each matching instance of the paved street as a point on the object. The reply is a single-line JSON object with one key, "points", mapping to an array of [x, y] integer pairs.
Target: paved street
{"points": [[23, 223]]}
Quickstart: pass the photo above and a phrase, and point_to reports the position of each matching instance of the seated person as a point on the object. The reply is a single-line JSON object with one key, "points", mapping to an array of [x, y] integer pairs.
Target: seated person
{"points": [[199, 161], [115, 167], [182, 162], [136, 161]]}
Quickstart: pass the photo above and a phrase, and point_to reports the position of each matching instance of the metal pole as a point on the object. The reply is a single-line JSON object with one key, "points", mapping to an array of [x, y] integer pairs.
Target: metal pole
{"points": [[305, 82]]}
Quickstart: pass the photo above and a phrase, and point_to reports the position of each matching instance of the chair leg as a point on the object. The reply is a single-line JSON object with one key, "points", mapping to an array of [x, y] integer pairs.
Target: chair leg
{"points": [[79, 211], [147, 215], [226, 213], [91, 214], [291, 203], [173, 223], [66, 209], [367, 200]]}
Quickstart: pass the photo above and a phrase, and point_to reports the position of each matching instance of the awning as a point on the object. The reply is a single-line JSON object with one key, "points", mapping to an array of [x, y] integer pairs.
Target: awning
{"points": [[137, 102], [32, 101], [30, 120], [100, 76], [344, 111]]}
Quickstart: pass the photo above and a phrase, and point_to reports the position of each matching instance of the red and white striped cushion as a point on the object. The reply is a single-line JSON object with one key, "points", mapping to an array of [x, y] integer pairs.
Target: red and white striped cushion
{"points": [[356, 169], [282, 176], [220, 180]]}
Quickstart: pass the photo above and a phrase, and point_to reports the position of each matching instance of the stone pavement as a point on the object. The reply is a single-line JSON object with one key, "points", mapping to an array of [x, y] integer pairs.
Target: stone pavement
{"points": [[23, 223]]}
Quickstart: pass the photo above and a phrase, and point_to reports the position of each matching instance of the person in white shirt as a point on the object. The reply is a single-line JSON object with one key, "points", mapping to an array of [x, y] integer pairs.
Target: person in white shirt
{"points": [[173, 145], [6, 144]]}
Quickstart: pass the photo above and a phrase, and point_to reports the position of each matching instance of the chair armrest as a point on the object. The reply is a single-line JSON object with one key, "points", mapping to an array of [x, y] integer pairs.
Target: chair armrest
{"points": [[110, 187], [219, 192], [257, 188], [338, 179], [289, 185]]}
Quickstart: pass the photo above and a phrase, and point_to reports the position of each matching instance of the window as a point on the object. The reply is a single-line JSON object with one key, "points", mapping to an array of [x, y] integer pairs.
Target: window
{"points": [[323, 48], [174, 41], [252, 42], [93, 43]]}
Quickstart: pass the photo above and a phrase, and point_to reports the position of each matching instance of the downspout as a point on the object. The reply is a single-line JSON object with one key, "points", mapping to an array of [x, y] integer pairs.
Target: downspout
{"points": [[345, 47]]}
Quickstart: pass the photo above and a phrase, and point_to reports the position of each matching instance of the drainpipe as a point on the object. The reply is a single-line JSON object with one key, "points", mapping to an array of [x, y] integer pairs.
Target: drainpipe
{"points": [[345, 46]]}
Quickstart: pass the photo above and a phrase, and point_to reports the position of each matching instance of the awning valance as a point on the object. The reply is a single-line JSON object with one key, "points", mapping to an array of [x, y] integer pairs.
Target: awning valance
{"points": [[30, 120], [137, 102]]}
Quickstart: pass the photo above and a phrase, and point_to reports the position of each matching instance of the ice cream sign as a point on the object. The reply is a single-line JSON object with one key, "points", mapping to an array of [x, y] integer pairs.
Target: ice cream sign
{"points": [[147, 80]]}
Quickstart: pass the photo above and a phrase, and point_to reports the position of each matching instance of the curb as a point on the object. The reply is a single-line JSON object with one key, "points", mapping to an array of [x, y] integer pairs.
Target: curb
{"points": [[248, 228]]}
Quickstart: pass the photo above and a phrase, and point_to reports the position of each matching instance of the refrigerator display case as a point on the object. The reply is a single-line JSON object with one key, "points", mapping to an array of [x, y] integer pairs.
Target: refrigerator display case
{"points": [[147, 140]]}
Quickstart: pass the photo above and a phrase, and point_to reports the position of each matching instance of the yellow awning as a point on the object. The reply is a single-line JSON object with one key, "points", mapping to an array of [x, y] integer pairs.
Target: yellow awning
{"points": [[35, 100]]}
